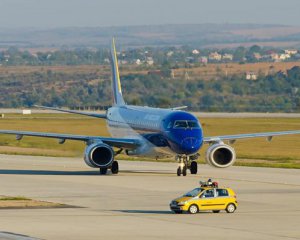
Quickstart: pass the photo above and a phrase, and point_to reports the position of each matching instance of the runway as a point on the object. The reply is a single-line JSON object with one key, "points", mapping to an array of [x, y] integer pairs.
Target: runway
{"points": [[134, 203]]}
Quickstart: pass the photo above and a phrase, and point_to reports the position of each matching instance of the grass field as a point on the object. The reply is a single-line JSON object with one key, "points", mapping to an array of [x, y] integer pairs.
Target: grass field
{"points": [[8, 202], [281, 152]]}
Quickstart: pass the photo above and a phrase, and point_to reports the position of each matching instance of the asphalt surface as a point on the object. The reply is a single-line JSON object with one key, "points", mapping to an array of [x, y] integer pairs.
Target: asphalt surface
{"points": [[135, 203]]}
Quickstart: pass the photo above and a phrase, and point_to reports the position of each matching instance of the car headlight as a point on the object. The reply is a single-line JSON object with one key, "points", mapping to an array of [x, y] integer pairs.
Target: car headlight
{"points": [[182, 203]]}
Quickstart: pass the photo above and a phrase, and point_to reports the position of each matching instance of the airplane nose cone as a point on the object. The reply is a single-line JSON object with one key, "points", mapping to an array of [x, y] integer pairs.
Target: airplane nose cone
{"points": [[191, 144]]}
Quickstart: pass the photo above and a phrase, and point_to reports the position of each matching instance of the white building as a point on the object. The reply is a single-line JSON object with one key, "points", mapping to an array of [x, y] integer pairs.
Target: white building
{"points": [[275, 57], [170, 54], [195, 52], [251, 76], [150, 61], [284, 56], [228, 57], [291, 51], [138, 62], [214, 56], [257, 56]]}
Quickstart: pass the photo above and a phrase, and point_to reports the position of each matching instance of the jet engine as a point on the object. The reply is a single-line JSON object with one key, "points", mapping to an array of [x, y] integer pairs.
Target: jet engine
{"points": [[99, 155], [220, 155]]}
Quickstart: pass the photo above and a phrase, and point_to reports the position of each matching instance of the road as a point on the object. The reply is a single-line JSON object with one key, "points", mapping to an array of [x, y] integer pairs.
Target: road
{"points": [[134, 203]]}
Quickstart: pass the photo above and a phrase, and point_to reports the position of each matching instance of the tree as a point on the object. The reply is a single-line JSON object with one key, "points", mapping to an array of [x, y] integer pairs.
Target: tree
{"points": [[239, 54]]}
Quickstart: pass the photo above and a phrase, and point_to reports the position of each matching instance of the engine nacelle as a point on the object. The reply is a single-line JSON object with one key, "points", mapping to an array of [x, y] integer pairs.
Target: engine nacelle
{"points": [[99, 155], [220, 155]]}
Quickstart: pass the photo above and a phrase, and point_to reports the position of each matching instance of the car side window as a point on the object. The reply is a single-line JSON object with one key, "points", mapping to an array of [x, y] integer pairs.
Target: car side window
{"points": [[222, 193], [208, 194]]}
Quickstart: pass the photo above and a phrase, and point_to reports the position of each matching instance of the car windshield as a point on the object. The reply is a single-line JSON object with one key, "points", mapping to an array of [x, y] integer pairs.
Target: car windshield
{"points": [[186, 124], [193, 193]]}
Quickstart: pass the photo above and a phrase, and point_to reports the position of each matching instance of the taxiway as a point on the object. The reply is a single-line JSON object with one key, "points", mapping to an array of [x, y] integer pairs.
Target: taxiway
{"points": [[135, 203]]}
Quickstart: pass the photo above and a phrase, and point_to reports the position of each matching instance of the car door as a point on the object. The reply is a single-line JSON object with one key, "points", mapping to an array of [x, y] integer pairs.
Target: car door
{"points": [[207, 199], [221, 199]]}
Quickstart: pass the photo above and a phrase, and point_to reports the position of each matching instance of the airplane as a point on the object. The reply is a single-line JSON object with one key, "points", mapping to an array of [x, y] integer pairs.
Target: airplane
{"points": [[147, 131]]}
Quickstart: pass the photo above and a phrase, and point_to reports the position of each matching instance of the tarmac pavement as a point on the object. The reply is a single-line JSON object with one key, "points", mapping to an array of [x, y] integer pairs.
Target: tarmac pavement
{"points": [[135, 203]]}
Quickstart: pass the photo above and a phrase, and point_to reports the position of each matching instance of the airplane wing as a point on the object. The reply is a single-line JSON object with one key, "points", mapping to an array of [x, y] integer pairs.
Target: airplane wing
{"points": [[114, 142], [97, 115], [233, 138]]}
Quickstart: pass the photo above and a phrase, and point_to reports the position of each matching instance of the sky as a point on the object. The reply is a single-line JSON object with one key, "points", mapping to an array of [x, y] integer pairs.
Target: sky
{"points": [[93, 13]]}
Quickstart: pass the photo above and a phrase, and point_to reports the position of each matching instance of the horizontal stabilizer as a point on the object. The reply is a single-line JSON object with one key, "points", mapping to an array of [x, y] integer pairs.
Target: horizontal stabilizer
{"points": [[179, 108]]}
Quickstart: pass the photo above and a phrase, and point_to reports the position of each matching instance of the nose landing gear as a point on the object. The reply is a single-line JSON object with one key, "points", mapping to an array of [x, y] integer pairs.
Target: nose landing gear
{"points": [[184, 164]]}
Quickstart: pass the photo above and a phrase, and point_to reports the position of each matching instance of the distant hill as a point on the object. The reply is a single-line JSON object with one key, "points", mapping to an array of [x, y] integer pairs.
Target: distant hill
{"points": [[199, 35]]}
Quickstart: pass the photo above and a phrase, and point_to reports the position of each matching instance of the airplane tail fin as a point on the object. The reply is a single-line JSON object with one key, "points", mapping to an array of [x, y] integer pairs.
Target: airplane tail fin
{"points": [[116, 84]]}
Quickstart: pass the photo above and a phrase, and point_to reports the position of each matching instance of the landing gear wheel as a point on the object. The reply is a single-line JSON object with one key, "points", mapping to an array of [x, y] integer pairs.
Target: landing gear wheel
{"points": [[183, 165], [194, 167], [193, 209], [103, 171], [230, 208], [184, 171], [115, 167], [178, 171]]}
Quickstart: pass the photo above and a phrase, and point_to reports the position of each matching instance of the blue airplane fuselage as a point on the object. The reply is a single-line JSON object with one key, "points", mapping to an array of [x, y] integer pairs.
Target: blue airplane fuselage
{"points": [[163, 131]]}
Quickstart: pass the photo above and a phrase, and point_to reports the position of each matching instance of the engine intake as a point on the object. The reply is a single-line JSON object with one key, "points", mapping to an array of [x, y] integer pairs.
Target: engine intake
{"points": [[220, 155], [99, 155]]}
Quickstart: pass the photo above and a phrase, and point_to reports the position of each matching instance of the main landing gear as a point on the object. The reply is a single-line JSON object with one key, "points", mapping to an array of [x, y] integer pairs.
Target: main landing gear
{"points": [[114, 168], [185, 163]]}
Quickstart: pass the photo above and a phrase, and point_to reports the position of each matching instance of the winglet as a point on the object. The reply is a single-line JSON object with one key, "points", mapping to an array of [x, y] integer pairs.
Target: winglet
{"points": [[116, 84]]}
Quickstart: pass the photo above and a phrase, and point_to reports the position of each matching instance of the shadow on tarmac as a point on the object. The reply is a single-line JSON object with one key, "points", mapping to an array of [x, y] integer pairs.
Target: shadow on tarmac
{"points": [[157, 212], [144, 211], [75, 173], [49, 172]]}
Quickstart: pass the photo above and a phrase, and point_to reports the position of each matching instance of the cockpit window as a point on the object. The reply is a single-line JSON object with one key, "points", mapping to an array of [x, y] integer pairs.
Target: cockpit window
{"points": [[193, 124], [180, 124], [186, 124]]}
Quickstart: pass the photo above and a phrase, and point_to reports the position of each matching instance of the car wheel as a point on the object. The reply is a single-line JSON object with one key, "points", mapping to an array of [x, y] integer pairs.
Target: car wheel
{"points": [[177, 211], [230, 208], [216, 211], [193, 209]]}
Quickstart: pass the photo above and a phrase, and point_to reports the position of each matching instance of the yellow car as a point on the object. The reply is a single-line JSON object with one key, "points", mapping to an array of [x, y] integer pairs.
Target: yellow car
{"points": [[204, 199]]}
